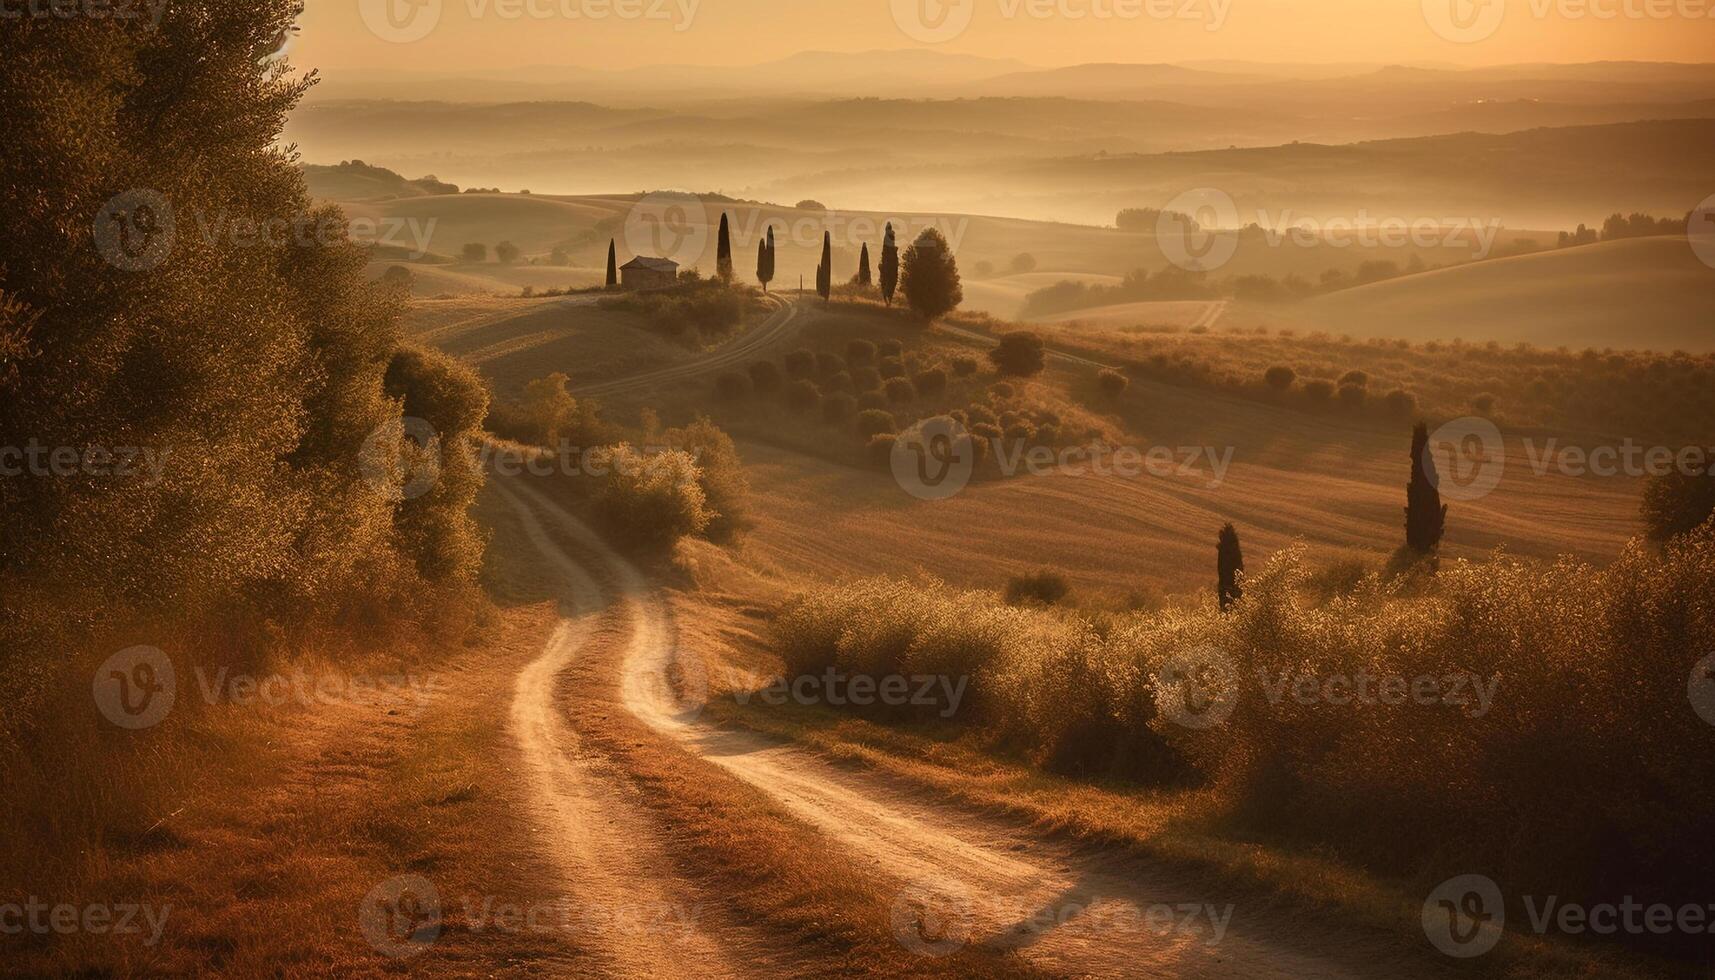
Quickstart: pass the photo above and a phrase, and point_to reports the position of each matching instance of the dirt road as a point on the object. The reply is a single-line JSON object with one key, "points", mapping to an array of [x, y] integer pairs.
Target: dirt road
{"points": [[962, 878]]}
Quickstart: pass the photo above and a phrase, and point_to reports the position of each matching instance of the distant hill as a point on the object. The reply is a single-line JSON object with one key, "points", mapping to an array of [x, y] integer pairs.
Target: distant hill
{"points": [[1643, 293], [357, 181]]}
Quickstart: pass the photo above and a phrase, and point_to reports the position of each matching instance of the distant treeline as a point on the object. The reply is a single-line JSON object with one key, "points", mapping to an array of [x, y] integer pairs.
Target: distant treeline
{"points": [[1174, 283]]}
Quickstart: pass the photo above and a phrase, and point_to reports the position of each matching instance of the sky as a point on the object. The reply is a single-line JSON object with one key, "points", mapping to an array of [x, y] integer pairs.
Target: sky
{"points": [[447, 36]]}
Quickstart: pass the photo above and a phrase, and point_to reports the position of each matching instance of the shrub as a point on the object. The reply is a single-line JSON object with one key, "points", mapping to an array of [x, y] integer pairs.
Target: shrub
{"points": [[1483, 403], [880, 449], [732, 386], [1002, 390], [872, 399], [650, 500], [931, 382], [964, 365], [860, 353], [802, 395], [1280, 377], [801, 363], [891, 348], [866, 379], [828, 365], [1319, 392], [1020, 432], [873, 422], [838, 407], [1352, 396], [841, 382], [1112, 383], [900, 390], [765, 377], [720, 473], [979, 414], [1676, 502], [1358, 378], [1023, 262], [1043, 588], [1400, 402], [892, 367], [1048, 434], [1019, 353]]}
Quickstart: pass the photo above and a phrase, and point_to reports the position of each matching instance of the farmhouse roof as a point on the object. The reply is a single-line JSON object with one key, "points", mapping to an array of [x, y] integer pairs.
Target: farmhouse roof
{"points": [[653, 264]]}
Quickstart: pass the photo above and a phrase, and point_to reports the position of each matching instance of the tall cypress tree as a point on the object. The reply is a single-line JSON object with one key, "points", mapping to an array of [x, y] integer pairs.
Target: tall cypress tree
{"points": [[771, 268], [723, 252], [762, 263], [825, 271], [1229, 562], [1425, 514], [862, 278], [889, 265], [612, 265]]}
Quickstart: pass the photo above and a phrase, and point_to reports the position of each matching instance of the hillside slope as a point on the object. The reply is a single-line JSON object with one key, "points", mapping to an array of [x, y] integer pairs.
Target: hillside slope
{"points": [[1646, 293]]}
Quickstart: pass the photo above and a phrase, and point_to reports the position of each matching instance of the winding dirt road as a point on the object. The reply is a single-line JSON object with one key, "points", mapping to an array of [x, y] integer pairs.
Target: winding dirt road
{"points": [[962, 878]]}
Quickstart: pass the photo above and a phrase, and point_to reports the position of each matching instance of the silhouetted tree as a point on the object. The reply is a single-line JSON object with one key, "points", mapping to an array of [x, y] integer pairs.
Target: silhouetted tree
{"points": [[931, 276], [1019, 354], [1677, 502], [1229, 562], [825, 271], [889, 265], [771, 254], [862, 277], [723, 252], [612, 265], [506, 253], [762, 263], [1425, 514]]}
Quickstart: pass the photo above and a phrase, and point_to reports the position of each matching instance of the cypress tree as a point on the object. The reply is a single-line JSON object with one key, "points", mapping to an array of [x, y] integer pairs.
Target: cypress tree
{"points": [[762, 263], [862, 277], [825, 271], [889, 265], [1425, 514], [723, 252], [612, 265], [1229, 562], [771, 268]]}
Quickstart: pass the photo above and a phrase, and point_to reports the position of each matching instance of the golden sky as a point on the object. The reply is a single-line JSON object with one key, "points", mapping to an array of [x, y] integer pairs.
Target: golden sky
{"points": [[489, 34]]}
